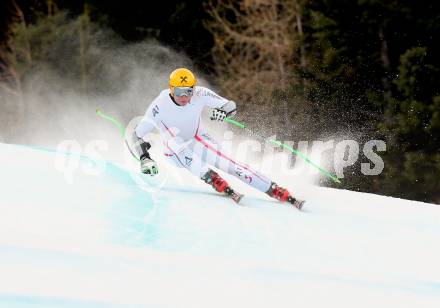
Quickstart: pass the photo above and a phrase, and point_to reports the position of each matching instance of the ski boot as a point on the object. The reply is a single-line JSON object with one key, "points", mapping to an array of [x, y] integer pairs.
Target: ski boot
{"points": [[219, 184], [283, 195]]}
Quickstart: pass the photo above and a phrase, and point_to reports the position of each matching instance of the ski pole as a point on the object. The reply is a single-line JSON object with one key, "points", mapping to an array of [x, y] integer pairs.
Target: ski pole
{"points": [[119, 126], [283, 145], [114, 121]]}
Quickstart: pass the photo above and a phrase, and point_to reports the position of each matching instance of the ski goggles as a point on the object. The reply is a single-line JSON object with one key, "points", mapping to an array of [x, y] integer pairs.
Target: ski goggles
{"points": [[183, 91]]}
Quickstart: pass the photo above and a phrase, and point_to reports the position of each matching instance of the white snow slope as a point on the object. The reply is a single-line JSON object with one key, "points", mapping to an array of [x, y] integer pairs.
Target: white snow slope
{"points": [[99, 240]]}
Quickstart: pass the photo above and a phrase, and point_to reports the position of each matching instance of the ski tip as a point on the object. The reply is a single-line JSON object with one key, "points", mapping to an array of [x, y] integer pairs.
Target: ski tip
{"points": [[233, 194], [296, 202], [299, 204], [237, 197]]}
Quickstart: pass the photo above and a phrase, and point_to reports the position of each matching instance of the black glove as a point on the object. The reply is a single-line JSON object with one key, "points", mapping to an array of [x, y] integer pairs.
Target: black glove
{"points": [[218, 115]]}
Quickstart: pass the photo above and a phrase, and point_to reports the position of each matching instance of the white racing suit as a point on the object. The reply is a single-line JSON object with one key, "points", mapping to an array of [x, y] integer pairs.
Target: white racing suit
{"points": [[187, 144]]}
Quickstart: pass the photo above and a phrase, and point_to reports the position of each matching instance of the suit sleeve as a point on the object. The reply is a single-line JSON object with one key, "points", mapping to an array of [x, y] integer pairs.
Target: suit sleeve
{"points": [[210, 98], [213, 100], [135, 140], [149, 120]]}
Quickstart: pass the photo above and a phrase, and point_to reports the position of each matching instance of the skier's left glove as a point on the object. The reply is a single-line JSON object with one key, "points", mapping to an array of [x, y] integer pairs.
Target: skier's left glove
{"points": [[149, 166], [227, 110]]}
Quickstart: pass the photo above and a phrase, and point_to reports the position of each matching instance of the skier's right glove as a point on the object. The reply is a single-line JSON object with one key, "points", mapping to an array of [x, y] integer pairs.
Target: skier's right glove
{"points": [[227, 110], [149, 166], [218, 115]]}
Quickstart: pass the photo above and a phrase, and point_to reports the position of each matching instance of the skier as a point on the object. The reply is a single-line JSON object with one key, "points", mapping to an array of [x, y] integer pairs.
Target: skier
{"points": [[176, 113]]}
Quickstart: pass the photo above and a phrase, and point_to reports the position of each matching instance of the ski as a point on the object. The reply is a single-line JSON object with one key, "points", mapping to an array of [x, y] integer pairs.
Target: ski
{"points": [[296, 202], [233, 194]]}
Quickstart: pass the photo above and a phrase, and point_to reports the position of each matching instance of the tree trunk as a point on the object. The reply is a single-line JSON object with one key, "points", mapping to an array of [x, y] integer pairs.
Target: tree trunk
{"points": [[302, 49], [384, 57]]}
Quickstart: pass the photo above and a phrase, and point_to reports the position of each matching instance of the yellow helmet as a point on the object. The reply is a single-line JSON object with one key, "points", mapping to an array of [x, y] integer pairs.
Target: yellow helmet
{"points": [[181, 77]]}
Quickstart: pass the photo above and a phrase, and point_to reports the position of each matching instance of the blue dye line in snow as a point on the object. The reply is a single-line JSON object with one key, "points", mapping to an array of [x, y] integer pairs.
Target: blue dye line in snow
{"points": [[17, 301]]}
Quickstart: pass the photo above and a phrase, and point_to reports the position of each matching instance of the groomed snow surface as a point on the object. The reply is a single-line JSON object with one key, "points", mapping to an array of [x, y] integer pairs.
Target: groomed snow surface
{"points": [[116, 239]]}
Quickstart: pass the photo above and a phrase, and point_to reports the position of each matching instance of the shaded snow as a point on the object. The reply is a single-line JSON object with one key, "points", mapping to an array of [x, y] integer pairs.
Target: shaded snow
{"points": [[100, 240]]}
